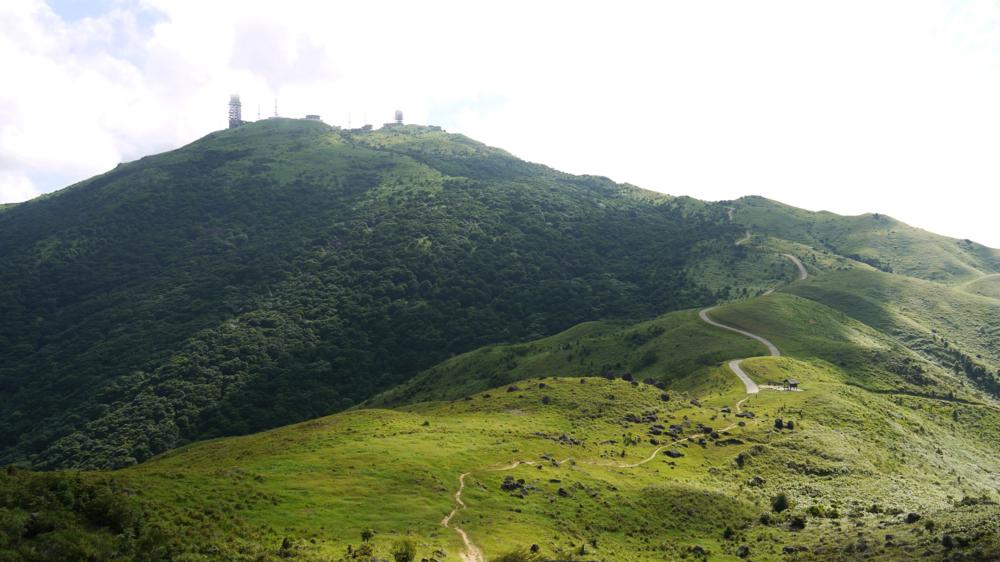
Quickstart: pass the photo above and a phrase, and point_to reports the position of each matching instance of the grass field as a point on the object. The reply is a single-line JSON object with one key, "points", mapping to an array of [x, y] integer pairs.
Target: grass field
{"points": [[868, 447], [856, 460]]}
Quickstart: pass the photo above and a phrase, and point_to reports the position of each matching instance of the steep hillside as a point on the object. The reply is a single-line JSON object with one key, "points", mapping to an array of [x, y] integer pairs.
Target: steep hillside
{"points": [[285, 270], [875, 239]]}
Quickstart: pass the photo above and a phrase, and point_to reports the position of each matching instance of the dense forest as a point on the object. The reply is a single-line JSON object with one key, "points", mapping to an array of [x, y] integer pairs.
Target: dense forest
{"points": [[285, 270]]}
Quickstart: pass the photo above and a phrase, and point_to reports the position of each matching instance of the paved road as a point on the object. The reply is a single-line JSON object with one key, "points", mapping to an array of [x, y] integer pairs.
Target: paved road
{"points": [[771, 348], [802, 269], [472, 553]]}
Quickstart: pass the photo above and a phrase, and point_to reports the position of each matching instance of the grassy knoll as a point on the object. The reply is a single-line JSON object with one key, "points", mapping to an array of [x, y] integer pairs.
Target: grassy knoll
{"points": [[674, 346]]}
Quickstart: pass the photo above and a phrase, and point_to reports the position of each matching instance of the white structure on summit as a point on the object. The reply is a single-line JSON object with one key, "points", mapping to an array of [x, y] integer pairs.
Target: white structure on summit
{"points": [[235, 111]]}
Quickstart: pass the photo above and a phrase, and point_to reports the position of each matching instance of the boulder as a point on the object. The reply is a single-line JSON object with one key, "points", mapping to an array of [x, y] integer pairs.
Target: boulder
{"points": [[673, 454]]}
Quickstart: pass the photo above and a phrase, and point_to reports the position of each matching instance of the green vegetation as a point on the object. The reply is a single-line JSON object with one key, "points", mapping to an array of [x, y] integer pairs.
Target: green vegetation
{"points": [[987, 286], [536, 336], [285, 270], [677, 348], [875, 239]]}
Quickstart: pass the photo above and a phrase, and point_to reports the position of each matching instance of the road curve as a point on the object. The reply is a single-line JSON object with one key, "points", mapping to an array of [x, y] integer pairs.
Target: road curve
{"points": [[472, 553], [798, 263], [771, 348], [735, 367]]}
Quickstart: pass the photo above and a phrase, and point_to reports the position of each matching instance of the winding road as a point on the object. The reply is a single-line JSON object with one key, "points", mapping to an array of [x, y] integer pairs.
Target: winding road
{"points": [[735, 364], [472, 553]]}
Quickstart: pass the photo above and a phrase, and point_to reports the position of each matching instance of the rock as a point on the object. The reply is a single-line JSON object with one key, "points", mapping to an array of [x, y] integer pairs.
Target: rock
{"points": [[535, 548], [673, 454], [649, 381], [665, 397], [546, 400], [743, 551], [627, 377], [789, 424], [511, 485], [542, 385], [778, 424], [563, 493], [695, 402], [912, 517], [742, 424], [725, 410], [513, 388], [698, 550], [756, 482], [654, 442], [747, 415]]}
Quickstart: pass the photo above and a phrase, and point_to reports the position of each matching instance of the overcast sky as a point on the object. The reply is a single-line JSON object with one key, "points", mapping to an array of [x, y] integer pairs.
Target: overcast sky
{"points": [[848, 106]]}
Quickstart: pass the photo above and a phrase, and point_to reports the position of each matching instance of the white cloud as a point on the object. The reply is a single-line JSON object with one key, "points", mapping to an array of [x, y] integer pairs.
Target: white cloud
{"points": [[848, 106], [15, 188]]}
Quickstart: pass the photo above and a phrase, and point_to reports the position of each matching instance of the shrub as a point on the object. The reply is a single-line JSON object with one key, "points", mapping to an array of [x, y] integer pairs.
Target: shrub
{"points": [[779, 503], [404, 551]]}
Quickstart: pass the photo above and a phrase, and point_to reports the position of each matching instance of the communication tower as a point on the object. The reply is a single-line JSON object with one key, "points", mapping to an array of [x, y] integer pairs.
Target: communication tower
{"points": [[235, 111]]}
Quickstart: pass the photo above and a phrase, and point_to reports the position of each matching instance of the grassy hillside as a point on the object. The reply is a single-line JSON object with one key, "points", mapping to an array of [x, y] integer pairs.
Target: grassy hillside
{"points": [[285, 270], [674, 346], [892, 449], [987, 286], [954, 329], [875, 239], [854, 460]]}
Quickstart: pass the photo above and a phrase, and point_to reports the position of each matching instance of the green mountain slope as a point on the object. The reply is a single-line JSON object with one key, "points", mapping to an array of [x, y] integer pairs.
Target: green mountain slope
{"points": [[875, 239], [285, 270], [599, 486], [506, 313], [987, 286]]}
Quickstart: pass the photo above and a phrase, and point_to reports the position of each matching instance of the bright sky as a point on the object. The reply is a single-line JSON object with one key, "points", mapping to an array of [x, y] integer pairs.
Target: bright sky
{"points": [[849, 106]]}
